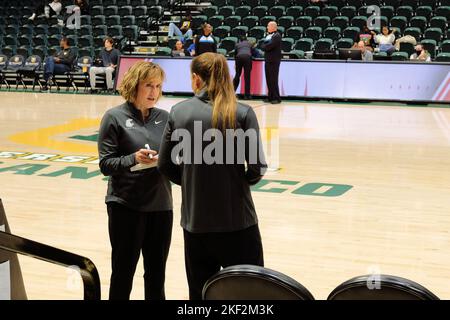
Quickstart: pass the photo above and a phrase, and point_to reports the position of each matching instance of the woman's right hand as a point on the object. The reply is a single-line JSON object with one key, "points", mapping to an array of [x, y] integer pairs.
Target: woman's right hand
{"points": [[141, 156]]}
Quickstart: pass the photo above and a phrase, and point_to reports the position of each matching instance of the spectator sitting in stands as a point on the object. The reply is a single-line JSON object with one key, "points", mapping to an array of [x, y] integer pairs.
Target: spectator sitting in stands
{"points": [[50, 9], [421, 54], [184, 31], [405, 39], [365, 53], [178, 50], [386, 40], [191, 48], [205, 42], [59, 64], [82, 6], [110, 57], [320, 3], [366, 36]]}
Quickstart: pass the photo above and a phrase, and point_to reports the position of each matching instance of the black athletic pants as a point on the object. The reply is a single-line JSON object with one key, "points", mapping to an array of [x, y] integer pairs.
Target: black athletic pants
{"points": [[206, 253], [246, 63], [272, 70], [130, 232]]}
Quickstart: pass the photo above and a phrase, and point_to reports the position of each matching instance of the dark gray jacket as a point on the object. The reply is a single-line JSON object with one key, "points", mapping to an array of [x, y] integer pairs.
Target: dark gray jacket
{"points": [[109, 57], [243, 49], [272, 48], [215, 197], [122, 133]]}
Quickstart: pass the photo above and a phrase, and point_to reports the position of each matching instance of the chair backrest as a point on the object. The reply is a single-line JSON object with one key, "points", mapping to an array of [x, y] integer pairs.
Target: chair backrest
{"points": [[249, 282], [3, 61], [84, 61], [381, 287], [16, 61], [33, 61]]}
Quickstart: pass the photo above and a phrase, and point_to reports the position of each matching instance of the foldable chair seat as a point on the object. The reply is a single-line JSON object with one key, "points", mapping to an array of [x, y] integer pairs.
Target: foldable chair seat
{"points": [[80, 75], [28, 73], [9, 74]]}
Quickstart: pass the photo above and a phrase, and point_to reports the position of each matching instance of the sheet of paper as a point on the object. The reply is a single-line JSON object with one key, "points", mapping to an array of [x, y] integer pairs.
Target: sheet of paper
{"points": [[141, 166]]}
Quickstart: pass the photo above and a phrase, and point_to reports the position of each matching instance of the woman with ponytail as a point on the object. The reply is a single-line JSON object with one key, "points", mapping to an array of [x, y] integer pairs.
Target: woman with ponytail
{"points": [[212, 148]]}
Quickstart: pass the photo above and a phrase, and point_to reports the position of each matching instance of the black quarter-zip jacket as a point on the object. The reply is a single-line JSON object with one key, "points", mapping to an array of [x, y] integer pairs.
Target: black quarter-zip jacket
{"points": [[122, 133], [215, 197]]}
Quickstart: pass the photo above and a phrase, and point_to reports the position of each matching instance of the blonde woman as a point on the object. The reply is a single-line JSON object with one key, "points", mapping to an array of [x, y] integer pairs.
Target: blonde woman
{"points": [[139, 202], [217, 212]]}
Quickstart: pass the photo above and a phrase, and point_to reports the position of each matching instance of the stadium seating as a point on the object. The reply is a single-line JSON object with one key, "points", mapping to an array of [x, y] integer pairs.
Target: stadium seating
{"points": [[304, 25]]}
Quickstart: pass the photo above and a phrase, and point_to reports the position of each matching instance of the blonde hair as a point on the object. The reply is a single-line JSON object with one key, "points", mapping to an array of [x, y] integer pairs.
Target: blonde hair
{"points": [[140, 71], [212, 68]]}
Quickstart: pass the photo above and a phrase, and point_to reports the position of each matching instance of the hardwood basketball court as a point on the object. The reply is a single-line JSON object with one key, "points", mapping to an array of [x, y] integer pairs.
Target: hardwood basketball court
{"points": [[361, 189]]}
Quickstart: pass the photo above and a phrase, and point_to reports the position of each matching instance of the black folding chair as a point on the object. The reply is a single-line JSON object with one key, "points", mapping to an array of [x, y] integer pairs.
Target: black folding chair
{"points": [[3, 65], [29, 72], [249, 282], [381, 287], [80, 75], [10, 72]]}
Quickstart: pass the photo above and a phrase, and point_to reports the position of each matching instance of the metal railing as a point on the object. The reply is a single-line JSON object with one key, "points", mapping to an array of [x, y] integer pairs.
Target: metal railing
{"points": [[88, 271]]}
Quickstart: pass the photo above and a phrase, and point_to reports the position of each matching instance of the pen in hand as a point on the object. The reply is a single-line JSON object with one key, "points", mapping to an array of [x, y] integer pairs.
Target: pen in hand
{"points": [[150, 156], [146, 155]]}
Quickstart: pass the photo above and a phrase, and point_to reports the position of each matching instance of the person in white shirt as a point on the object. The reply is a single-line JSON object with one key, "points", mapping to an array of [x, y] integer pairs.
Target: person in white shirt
{"points": [[386, 40], [50, 9], [421, 54]]}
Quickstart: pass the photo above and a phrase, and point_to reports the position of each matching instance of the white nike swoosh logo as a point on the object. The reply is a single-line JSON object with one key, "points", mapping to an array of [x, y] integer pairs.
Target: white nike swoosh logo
{"points": [[158, 122]]}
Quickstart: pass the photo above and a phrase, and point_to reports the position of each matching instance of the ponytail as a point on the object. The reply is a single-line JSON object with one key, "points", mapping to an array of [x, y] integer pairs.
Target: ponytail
{"points": [[213, 69]]}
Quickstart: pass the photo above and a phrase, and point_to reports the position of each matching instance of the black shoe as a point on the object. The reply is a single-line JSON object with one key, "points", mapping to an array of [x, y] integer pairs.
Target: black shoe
{"points": [[266, 100], [45, 88], [275, 101], [93, 91]]}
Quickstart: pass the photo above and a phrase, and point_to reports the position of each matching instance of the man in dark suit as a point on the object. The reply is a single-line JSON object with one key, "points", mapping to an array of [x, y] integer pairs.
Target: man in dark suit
{"points": [[272, 49]]}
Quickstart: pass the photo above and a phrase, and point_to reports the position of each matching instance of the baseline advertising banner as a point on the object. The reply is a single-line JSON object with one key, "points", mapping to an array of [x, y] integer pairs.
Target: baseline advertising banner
{"points": [[403, 81]]}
